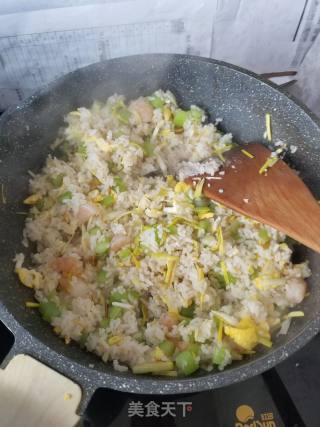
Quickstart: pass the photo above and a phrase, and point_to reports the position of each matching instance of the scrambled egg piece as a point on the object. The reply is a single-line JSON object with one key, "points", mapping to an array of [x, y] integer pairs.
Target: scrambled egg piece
{"points": [[29, 278], [32, 200], [116, 339], [247, 334], [244, 334], [181, 187], [158, 354]]}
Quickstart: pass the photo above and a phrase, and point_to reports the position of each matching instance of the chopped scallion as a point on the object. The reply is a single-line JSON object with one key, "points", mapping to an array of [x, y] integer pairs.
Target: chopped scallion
{"points": [[121, 186], [186, 362], [94, 230], [65, 196], [56, 180], [108, 201], [102, 246], [188, 311], [101, 277], [167, 347], [124, 253], [180, 117], [156, 101], [49, 310]]}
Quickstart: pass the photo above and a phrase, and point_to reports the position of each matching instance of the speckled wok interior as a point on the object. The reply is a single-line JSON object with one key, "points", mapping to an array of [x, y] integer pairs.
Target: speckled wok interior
{"points": [[241, 99]]}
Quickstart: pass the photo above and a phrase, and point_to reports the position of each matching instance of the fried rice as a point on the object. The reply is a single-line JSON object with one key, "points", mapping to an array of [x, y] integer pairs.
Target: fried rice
{"points": [[137, 266]]}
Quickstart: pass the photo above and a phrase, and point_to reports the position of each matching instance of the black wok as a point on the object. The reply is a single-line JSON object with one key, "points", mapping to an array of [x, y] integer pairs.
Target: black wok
{"points": [[241, 99]]}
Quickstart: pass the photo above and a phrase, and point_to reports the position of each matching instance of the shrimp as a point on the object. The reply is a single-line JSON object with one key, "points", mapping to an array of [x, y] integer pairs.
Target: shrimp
{"points": [[118, 242], [143, 108], [73, 288], [85, 212], [67, 265]]}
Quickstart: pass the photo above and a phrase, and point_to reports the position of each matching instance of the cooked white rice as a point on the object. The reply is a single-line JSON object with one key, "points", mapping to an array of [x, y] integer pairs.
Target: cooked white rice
{"points": [[125, 260]]}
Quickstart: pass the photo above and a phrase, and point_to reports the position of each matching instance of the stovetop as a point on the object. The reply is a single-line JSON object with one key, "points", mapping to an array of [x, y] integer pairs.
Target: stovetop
{"points": [[285, 396]]}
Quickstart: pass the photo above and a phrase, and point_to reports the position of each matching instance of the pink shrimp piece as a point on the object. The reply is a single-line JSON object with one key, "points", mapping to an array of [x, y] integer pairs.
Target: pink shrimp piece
{"points": [[67, 265], [143, 108], [118, 242], [86, 212]]}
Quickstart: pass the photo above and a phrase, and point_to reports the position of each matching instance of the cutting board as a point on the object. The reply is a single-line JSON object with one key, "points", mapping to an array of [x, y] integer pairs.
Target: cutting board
{"points": [[34, 395]]}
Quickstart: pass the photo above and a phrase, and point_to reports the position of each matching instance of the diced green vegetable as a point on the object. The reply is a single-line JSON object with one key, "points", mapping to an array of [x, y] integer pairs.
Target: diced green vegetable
{"points": [[156, 101], [49, 310], [65, 196], [124, 253], [114, 312], [117, 133], [108, 201], [199, 188], [101, 277], [203, 210], [228, 277], [221, 357], [121, 186], [220, 279], [44, 204], [132, 295], [194, 348], [123, 114], [172, 229], [217, 279], [156, 235], [155, 367], [234, 230], [167, 347], [254, 272], [112, 167], [186, 362], [148, 148], [102, 246], [180, 117], [138, 336], [200, 202], [264, 236], [82, 149], [205, 225], [64, 150], [56, 180], [218, 355], [47, 203], [196, 114], [212, 205], [116, 296], [94, 230], [40, 204], [185, 321], [232, 279], [188, 311], [104, 322]]}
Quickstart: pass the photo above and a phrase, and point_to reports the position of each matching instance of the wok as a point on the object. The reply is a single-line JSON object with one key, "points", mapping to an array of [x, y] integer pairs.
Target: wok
{"points": [[241, 99]]}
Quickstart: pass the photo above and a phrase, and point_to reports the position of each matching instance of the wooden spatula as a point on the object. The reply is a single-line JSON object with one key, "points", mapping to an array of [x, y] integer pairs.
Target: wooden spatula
{"points": [[277, 197]]}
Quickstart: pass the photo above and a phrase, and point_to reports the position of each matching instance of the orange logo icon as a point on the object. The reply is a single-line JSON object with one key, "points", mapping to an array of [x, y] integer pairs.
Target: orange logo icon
{"points": [[246, 418], [244, 413]]}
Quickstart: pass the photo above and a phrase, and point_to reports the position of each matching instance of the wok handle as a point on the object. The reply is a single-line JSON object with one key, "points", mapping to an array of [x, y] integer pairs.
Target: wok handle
{"points": [[32, 394]]}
